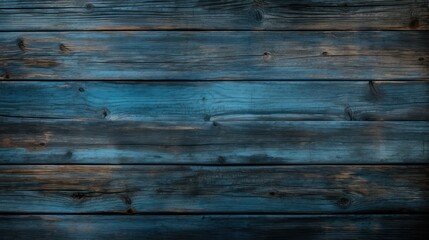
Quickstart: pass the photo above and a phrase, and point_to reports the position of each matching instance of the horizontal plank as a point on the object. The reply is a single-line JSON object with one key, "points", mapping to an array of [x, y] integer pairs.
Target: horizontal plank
{"points": [[215, 101], [232, 143], [207, 14], [213, 142], [276, 189], [214, 227], [221, 55]]}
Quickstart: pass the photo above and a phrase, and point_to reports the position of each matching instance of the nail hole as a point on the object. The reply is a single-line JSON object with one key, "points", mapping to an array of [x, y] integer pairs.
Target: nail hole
{"points": [[105, 112], [81, 89], [21, 44], [42, 144], [324, 53], [421, 59], [130, 211], [215, 124], [272, 193]]}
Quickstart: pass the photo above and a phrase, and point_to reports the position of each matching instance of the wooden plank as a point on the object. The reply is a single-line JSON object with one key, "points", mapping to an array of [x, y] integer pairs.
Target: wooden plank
{"points": [[213, 142], [224, 55], [268, 189], [214, 227], [207, 14], [216, 101]]}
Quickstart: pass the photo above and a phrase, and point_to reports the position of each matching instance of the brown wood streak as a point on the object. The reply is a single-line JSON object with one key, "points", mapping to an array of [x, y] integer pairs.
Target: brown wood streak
{"points": [[207, 14], [140, 189], [215, 55]]}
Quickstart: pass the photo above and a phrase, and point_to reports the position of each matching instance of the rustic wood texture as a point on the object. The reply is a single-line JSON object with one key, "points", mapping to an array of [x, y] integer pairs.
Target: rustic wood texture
{"points": [[218, 142], [274, 189], [215, 55], [189, 101], [206, 14], [230, 119], [215, 227]]}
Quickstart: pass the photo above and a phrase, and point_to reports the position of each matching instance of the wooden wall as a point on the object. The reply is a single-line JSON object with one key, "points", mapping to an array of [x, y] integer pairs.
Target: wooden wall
{"points": [[229, 119]]}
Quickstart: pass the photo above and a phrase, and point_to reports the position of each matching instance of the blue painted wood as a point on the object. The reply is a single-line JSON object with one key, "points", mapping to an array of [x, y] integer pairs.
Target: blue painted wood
{"points": [[218, 142], [197, 189], [189, 101], [213, 122], [215, 55], [212, 156]]}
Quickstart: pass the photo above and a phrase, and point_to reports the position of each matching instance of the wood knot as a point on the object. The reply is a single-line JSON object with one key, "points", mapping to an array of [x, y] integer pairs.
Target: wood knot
{"points": [[89, 6], [258, 15], [373, 89], [81, 89], [414, 23], [344, 202], [344, 8], [421, 59], [105, 113], [324, 53], [21, 44], [349, 112], [272, 193], [266, 55], [6, 76], [221, 159], [131, 211], [42, 144], [69, 154], [215, 123], [127, 200], [63, 48], [78, 195], [207, 117]]}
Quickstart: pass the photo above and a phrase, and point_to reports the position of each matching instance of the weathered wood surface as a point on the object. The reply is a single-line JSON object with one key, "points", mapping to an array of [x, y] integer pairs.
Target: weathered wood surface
{"points": [[216, 101], [274, 189], [215, 227], [217, 142], [208, 14], [211, 55]]}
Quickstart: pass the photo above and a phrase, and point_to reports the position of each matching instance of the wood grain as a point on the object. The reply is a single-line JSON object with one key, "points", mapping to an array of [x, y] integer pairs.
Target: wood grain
{"points": [[189, 101], [206, 14], [215, 227], [217, 142], [215, 55], [176, 189]]}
